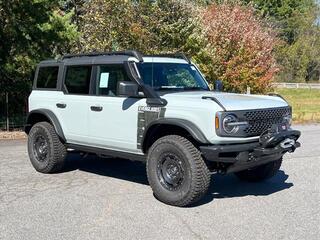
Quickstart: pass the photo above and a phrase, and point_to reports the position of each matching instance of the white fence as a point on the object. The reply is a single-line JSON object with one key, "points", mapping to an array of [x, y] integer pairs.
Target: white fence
{"points": [[297, 85]]}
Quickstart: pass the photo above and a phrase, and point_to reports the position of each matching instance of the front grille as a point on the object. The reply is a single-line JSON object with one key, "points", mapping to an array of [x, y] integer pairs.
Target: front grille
{"points": [[262, 120]]}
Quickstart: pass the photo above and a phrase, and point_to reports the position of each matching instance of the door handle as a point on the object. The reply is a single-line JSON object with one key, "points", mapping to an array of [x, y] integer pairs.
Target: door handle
{"points": [[96, 108], [61, 105]]}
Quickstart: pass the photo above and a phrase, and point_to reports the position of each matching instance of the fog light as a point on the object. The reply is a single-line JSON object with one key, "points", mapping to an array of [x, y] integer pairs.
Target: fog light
{"points": [[288, 119]]}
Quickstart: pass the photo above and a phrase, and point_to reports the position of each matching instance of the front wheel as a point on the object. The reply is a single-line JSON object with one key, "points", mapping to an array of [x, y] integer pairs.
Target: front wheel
{"points": [[260, 173], [176, 171]]}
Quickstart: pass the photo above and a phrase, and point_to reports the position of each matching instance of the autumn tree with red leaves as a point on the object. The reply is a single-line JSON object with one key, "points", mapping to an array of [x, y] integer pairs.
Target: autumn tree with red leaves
{"points": [[239, 47]]}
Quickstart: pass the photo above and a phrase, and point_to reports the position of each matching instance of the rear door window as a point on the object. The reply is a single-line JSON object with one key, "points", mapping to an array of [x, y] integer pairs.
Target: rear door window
{"points": [[77, 79]]}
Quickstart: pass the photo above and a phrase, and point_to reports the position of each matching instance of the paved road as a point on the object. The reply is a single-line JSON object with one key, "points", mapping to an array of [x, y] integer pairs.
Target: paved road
{"points": [[110, 199]]}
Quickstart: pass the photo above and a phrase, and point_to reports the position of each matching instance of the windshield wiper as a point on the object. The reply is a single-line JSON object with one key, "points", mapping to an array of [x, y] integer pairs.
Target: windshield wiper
{"points": [[169, 88], [195, 88]]}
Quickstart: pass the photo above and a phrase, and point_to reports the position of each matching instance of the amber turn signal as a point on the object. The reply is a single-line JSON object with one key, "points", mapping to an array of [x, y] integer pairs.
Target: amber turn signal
{"points": [[217, 122]]}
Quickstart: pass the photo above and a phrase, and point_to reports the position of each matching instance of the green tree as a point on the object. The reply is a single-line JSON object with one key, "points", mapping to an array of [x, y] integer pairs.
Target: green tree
{"points": [[301, 60], [288, 15], [148, 26], [30, 31], [297, 22]]}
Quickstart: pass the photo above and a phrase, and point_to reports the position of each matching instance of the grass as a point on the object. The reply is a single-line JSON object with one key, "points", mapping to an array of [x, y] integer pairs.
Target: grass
{"points": [[305, 104]]}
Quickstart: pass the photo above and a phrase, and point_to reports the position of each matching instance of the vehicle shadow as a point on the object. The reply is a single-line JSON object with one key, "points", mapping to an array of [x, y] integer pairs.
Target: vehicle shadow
{"points": [[222, 186], [229, 186], [124, 169]]}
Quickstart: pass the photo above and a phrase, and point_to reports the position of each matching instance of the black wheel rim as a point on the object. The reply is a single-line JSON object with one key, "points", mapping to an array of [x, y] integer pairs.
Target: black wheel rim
{"points": [[40, 148], [170, 171]]}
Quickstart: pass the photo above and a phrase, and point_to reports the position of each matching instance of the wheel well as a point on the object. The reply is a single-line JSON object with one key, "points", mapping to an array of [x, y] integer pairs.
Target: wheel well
{"points": [[35, 118], [160, 130], [44, 115]]}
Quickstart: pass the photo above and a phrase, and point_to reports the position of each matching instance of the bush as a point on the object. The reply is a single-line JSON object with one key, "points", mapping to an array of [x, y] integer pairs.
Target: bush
{"points": [[239, 48]]}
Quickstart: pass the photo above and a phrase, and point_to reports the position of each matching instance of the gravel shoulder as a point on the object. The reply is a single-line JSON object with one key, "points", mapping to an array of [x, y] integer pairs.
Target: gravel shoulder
{"points": [[4, 135]]}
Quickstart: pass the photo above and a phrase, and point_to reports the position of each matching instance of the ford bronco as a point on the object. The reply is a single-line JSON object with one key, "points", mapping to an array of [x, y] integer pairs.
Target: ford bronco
{"points": [[158, 109]]}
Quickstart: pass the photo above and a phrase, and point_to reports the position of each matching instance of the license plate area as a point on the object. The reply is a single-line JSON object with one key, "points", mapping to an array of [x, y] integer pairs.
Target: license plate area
{"points": [[279, 134]]}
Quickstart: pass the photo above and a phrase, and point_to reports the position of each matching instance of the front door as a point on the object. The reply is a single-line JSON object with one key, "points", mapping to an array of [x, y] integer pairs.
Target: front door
{"points": [[113, 120]]}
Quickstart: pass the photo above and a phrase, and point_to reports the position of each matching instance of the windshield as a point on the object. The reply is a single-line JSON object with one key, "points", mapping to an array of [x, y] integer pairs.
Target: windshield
{"points": [[172, 76]]}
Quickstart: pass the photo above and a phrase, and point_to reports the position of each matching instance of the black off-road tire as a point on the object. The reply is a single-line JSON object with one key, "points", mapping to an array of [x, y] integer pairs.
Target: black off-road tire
{"points": [[194, 176], [260, 173], [53, 152]]}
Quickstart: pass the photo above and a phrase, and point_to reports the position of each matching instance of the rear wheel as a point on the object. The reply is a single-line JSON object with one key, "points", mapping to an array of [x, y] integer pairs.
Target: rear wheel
{"points": [[46, 152], [260, 173], [176, 171]]}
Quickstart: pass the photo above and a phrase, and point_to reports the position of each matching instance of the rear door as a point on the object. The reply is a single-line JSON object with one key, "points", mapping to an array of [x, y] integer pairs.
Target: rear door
{"points": [[113, 120], [73, 104]]}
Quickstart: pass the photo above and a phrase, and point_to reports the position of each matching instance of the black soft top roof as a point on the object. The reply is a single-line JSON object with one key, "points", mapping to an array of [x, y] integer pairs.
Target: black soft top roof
{"points": [[105, 57]]}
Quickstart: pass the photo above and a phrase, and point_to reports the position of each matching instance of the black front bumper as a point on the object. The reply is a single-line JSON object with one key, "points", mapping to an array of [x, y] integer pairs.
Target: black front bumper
{"points": [[242, 156]]}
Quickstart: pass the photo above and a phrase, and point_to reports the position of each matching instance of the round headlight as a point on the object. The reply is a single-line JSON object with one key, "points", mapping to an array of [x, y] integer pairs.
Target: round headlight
{"points": [[228, 124]]}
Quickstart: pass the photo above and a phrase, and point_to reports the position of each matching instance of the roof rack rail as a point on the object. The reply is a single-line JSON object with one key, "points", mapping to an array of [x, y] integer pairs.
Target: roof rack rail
{"points": [[171, 55], [131, 53]]}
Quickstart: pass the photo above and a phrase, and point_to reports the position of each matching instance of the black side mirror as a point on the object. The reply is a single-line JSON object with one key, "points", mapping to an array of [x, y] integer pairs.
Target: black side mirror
{"points": [[218, 85], [128, 89]]}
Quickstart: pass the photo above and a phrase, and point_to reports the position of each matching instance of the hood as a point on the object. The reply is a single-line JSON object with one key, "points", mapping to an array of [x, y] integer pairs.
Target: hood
{"points": [[230, 101]]}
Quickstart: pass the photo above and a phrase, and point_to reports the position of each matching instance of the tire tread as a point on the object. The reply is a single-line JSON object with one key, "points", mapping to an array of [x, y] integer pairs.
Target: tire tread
{"points": [[201, 177], [59, 151]]}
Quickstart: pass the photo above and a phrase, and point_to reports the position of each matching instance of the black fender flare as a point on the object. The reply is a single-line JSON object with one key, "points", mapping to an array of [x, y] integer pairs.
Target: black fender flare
{"points": [[50, 116], [190, 127]]}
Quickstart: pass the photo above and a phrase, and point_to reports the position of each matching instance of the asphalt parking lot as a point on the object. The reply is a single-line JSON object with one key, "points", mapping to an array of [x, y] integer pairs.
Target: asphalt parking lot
{"points": [[110, 199]]}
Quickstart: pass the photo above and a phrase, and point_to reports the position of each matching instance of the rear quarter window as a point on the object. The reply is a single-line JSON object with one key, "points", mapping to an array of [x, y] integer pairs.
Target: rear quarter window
{"points": [[47, 77]]}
